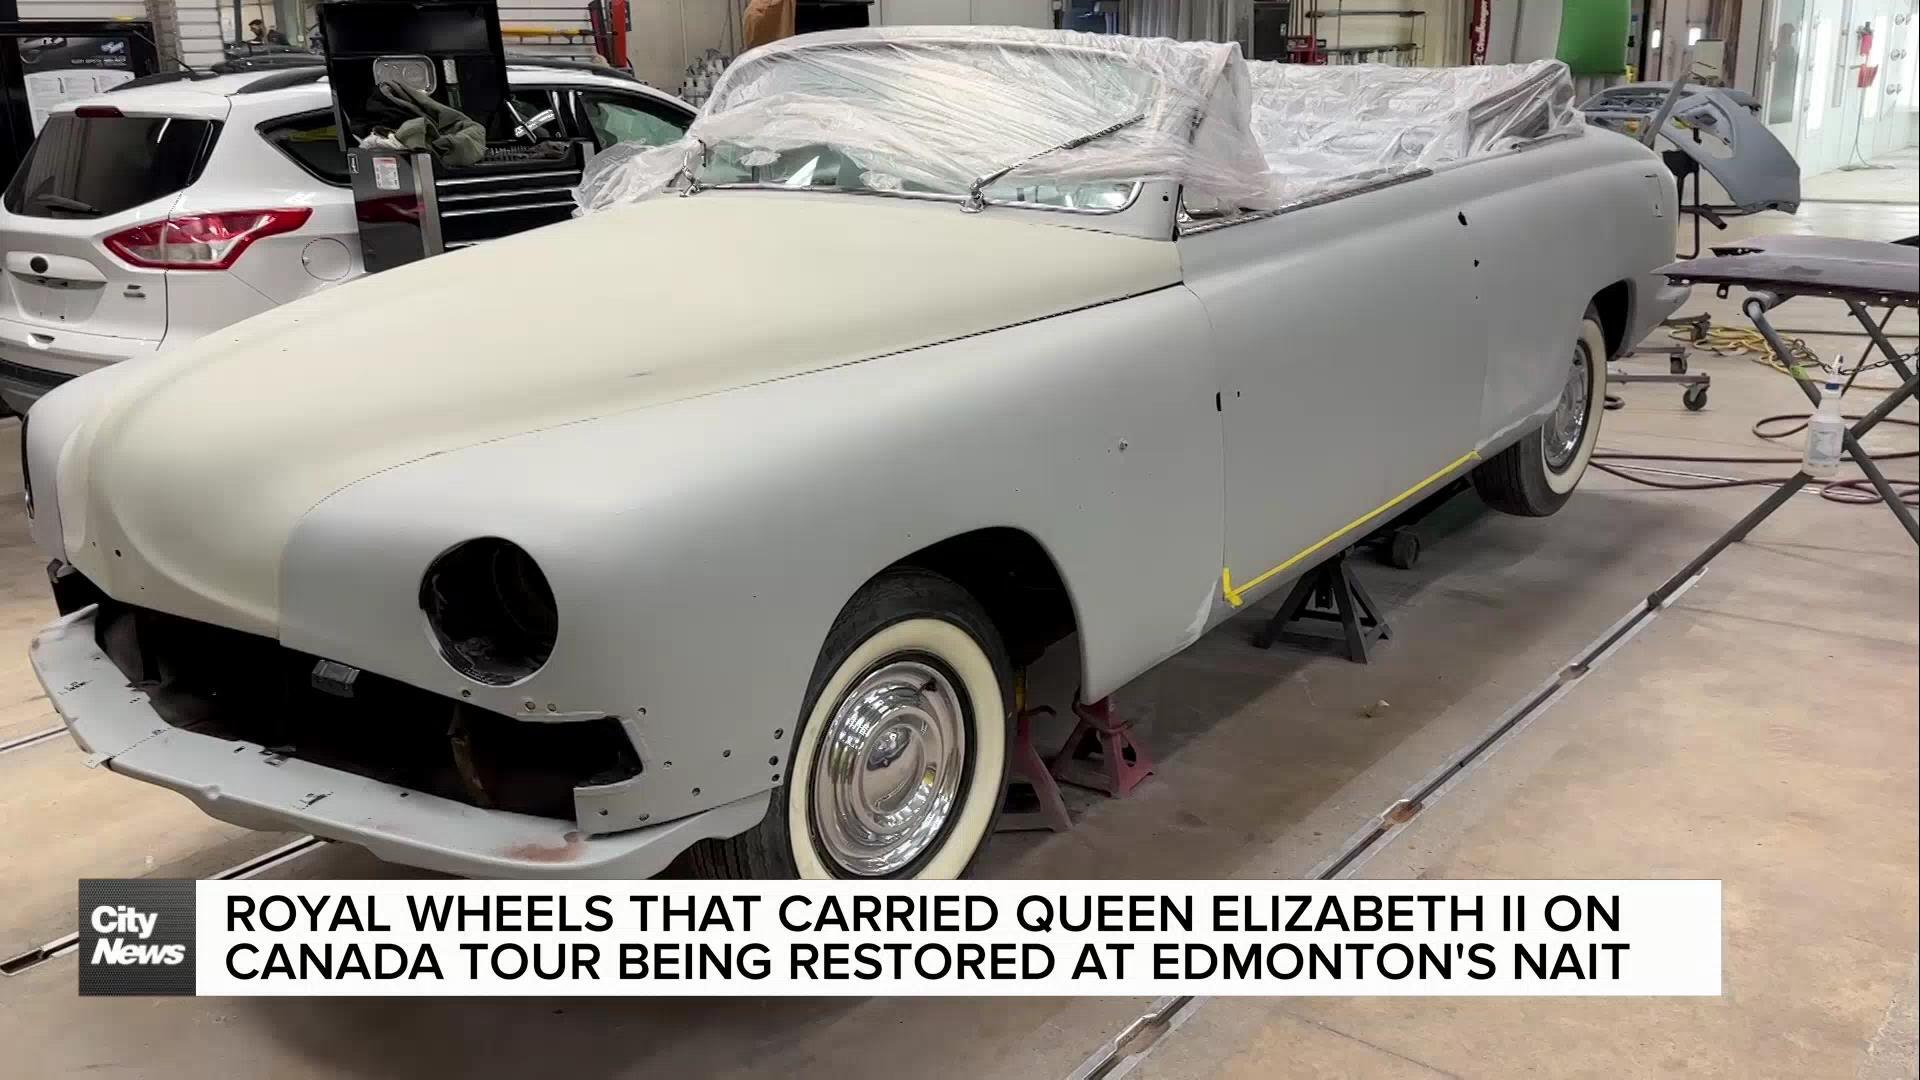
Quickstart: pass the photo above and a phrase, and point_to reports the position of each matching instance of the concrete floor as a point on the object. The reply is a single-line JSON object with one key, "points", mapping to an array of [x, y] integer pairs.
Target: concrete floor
{"points": [[1892, 181], [1763, 731]]}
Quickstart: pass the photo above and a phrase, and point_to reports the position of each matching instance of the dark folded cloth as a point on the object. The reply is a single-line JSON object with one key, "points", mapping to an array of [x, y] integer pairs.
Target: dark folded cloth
{"points": [[450, 135]]}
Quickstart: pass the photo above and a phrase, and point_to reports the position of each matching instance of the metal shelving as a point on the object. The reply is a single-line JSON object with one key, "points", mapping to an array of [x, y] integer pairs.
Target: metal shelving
{"points": [[1404, 53]]}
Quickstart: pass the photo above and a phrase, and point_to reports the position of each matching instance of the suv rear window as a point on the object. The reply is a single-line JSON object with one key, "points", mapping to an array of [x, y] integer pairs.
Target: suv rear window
{"points": [[313, 142], [96, 165]]}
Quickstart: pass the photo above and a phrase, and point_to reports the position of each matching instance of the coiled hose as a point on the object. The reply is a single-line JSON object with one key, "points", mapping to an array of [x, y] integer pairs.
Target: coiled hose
{"points": [[1750, 345]]}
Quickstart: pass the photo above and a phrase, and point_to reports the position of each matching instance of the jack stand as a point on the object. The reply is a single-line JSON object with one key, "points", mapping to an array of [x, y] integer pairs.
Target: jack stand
{"points": [[1327, 593], [1029, 770], [1102, 753]]}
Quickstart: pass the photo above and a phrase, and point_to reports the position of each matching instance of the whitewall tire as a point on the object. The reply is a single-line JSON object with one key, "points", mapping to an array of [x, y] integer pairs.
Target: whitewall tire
{"points": [[1535, 476], [899, 763]]}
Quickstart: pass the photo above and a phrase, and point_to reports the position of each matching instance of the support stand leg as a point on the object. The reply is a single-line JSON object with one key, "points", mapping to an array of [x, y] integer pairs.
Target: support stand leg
{"points": [[1029, 770], [1290, 608], [1727, 539], [1878, 332], [1328, 593], [1102, 753], [1756, 309]]}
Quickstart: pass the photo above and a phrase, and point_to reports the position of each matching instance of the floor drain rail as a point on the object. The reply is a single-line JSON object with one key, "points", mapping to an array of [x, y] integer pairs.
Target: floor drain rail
{"points": [[1404, 810], [34, 739], [1119, 1055], [253, 867], [39, 954]]}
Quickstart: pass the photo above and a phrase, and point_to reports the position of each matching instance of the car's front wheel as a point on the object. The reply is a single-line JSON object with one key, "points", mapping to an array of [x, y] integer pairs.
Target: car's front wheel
{"points": [[900, 759], [1535, 476]]}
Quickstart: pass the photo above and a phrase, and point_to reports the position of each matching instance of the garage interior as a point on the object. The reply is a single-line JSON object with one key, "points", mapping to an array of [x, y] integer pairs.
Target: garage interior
{"points": [[1763, 729]]}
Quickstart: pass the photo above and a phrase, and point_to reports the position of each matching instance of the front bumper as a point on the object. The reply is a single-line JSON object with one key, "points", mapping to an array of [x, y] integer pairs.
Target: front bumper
{"points": [[249, 785], [21, 386], [34, 359]]}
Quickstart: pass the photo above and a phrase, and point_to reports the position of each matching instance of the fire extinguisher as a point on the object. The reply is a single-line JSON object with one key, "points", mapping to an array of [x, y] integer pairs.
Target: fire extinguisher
{"points": [[620, 23], [1865, 73]]}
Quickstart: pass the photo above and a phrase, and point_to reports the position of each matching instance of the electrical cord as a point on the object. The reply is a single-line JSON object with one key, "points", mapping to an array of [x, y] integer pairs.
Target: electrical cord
{"points": [[1752, 345], [1853, 492], [1748, 344]]}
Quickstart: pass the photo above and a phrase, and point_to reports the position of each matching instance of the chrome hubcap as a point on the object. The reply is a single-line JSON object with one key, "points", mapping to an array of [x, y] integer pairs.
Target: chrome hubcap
{"points": [[1568, 424], [887, 777]]}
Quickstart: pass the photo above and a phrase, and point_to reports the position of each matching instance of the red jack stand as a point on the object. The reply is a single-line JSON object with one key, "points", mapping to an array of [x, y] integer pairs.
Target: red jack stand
{"points": [[1028, 768], [1102, 753]]}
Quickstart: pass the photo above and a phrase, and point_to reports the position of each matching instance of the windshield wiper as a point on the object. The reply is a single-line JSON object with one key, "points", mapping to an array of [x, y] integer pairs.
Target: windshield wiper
{"points": [[61, 202], [977, 200]]}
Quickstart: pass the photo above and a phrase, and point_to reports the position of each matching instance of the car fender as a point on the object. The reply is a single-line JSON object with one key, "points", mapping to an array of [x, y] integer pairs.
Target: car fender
{"points": [[699, 551]]}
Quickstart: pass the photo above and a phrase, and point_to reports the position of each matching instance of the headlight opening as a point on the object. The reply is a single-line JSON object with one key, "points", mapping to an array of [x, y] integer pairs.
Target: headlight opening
{"points": [[491, 611]]}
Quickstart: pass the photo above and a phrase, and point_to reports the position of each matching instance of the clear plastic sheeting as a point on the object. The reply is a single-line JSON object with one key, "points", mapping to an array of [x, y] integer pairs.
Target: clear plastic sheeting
{"points": [[1321, 128], [930, 110], [1070, 120]]}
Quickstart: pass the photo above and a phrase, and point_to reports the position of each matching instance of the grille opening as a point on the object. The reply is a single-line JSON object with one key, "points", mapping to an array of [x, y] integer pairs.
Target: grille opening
{"points": [[235, 686]]}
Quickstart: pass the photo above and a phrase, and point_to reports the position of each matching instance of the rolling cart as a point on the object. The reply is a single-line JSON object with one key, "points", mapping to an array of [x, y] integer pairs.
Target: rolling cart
{"points": [[1694, 384]]}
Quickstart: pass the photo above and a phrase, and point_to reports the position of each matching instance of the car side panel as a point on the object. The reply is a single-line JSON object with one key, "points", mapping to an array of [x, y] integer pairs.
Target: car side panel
{"points": [[1352, 350], [1553, 226], [246, 172], [701, 550]]}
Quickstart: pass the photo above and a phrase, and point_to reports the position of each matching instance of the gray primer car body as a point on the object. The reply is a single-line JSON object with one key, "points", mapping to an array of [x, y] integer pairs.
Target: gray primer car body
{"points": [[1177, 454]]}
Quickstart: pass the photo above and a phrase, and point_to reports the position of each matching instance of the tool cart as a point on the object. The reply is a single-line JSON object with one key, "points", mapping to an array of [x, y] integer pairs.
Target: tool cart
{"points": [[437, 64]]}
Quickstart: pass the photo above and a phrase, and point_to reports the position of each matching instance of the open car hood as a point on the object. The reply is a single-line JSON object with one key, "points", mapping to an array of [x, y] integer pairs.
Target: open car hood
{"points": [[180, 489]]}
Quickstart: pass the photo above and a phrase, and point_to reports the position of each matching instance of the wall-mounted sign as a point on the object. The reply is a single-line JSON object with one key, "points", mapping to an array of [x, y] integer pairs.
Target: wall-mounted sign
{"points": [[61, 69]]}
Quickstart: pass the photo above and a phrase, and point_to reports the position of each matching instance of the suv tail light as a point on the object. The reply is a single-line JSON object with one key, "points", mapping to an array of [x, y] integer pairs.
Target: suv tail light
{"points": [[201, 241]]}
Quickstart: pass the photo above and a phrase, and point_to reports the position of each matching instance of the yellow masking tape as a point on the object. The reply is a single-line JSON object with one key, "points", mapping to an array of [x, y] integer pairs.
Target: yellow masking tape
{"points": [[1233, 594]]}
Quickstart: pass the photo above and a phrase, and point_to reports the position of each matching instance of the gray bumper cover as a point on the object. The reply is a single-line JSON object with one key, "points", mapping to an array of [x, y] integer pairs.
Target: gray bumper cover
{"points": [[246, 784]]}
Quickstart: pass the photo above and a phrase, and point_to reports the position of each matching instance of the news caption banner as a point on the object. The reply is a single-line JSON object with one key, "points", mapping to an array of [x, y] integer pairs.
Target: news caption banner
{"points": [[975, 938]]}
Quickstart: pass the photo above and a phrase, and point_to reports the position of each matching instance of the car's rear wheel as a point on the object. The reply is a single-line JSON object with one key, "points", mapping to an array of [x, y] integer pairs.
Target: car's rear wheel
{"points": [[900, 758], [1535, 476]]}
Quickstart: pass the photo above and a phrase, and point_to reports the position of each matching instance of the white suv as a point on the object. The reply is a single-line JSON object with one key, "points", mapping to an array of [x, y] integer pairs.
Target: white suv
{"points": [[165, 210]]}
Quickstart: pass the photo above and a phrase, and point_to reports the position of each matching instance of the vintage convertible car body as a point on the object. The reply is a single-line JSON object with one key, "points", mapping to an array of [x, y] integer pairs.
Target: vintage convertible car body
{"points": [[746, 560]]}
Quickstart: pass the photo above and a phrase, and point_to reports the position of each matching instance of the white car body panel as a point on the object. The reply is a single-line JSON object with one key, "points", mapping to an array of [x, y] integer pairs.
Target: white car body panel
{"points": [[149, 473], [1425, 300], [1295, 301], [69, 352], [763, 553], [1181, 415]]}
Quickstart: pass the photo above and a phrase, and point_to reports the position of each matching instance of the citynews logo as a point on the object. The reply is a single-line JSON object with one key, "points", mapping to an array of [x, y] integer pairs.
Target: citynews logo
{"points": [[121, 919], [136, 937]]}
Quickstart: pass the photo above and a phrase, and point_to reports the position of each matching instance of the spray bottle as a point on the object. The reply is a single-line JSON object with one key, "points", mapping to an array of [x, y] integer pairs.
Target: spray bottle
{"points": [[1826, 430]]}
